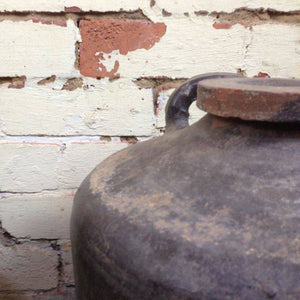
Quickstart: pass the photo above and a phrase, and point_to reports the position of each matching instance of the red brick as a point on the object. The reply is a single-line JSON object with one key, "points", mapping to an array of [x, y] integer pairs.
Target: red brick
{"points": [[222, 25], [106, 35], [262, 75], [58, 22], [73, 9]]}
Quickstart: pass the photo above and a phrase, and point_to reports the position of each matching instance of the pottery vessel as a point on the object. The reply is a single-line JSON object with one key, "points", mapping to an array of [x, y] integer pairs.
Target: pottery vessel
{"points": [[208, 211]]}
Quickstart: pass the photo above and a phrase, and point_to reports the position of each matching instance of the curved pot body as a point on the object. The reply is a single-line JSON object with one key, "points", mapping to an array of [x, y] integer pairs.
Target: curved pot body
{"points": [[207, 212]]}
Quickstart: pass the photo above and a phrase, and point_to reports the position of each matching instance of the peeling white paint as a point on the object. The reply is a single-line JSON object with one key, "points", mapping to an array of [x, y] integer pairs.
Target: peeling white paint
{"points": [[179, 7], [173, 6], [107, 62], [189, 47], [35, 49], [274, 49], [107, 108]]}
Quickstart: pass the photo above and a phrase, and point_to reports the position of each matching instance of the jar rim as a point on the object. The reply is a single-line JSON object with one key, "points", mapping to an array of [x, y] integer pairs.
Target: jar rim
{"points": [[257, 99]]}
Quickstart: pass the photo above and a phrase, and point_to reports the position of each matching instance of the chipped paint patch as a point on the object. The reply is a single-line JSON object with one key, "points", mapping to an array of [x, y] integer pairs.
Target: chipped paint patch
{"points": [[47, 21], [104, 40], [73, 9], [17, 82], [262, 75], [222, 25], [47, 80], [72, 84], [108, 63]]}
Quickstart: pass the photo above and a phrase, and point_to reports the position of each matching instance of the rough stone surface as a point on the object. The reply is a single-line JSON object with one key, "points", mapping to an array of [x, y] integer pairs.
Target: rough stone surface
{"points": [[28, 266]]}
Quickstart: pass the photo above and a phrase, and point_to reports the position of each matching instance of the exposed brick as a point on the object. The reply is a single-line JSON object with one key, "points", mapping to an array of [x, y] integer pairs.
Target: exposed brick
{"points": [[261, 75], [189, 47], [100, 37], [50, 22], [73, 9], [222, 25]]}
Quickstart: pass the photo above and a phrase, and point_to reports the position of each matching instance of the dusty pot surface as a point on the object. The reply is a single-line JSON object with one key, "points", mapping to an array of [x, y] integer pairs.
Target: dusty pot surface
{"points": [[211, 211]]}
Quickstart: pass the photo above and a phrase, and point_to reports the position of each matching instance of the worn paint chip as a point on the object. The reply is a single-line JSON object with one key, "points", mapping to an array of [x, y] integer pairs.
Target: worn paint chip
{"points": [[103, 40]]}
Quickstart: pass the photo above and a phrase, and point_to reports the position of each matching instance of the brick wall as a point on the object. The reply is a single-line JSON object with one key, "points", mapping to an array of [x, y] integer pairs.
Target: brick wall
{"points": [[82, 79]]}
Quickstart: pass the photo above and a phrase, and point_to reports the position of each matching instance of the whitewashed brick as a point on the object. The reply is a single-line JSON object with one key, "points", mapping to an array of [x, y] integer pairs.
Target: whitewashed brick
{"points": [[195, 113], [37, 216], [279, 5], [34, 167], [181, 6], [59, 5], [80, 159], [174, 6], [34, 49], [28, 266], [28, 167], [111, 108], [275, 50], [189, 47]]}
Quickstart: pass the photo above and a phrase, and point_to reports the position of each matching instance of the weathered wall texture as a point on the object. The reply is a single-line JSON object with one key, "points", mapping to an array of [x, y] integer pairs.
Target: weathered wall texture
{"points": [[81, 79]]}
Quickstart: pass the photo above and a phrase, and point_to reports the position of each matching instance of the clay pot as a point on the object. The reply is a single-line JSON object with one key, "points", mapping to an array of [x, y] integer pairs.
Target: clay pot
{"points": [[208, 211]]}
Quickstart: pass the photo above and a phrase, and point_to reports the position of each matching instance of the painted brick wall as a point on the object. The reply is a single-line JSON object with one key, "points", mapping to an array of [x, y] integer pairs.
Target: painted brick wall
{"points": [[81, 79]]}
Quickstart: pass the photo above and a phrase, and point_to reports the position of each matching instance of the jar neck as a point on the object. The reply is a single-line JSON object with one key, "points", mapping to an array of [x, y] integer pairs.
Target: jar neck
{"points": [[285, 129]]}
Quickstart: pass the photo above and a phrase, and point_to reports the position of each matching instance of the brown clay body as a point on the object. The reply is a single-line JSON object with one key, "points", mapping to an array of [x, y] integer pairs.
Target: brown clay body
{"points": [[211, 211]]}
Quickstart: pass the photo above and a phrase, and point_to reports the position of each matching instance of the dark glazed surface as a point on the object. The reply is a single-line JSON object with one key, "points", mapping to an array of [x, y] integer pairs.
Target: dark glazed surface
{"points": [[208, 212], [261, 99]]}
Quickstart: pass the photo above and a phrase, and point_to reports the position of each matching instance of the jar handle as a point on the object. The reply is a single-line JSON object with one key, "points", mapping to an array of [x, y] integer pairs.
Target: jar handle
{"points": [[177, 108]]}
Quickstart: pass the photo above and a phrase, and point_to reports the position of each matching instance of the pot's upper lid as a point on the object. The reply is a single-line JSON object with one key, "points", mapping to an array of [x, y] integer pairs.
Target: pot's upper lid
{"points": [[261, 99]]}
